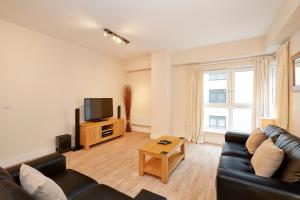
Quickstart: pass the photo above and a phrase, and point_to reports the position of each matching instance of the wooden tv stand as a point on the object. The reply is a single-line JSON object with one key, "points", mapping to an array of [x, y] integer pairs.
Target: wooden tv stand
{"points": [[95, 132]]}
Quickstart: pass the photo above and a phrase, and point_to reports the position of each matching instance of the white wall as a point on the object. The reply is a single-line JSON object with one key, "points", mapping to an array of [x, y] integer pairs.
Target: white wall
{"points": [[140, 82], [179, 97], [236, 49], [161, 80], [42, 81], [294, 109]]}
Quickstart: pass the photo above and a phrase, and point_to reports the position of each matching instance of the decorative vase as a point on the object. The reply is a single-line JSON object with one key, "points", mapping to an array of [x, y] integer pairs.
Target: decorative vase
{"points": [[127, 96]]}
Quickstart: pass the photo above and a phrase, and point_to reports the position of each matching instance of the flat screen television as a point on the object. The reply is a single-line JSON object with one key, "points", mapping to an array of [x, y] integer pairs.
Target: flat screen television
{"points": [[98, 109]]}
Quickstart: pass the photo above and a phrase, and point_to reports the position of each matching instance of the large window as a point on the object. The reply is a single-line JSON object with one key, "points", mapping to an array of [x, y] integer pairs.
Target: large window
{"points": [[228, 99]]}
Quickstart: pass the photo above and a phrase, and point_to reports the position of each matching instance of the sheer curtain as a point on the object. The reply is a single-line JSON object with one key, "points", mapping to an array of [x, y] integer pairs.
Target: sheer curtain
{"points": [[282, 87], [195, 104], [261, 90]]}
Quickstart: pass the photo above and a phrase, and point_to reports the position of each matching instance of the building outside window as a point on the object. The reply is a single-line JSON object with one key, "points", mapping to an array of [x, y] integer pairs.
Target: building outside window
{"points": [[228, 99], [217, 122], [217, 96]]}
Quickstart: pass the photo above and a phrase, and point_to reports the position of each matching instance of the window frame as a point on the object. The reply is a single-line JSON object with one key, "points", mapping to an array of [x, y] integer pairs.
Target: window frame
{"points": [[230, 95]]}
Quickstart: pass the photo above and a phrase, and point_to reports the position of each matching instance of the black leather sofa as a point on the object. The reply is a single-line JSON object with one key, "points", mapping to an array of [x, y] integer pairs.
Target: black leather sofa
{"points": [[236, 178], [75, 185]]}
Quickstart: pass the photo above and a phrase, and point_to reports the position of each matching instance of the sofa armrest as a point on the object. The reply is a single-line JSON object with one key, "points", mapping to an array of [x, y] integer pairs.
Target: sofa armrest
{"points": [[231, 136], [233, 184], [147, 195], [48, 165]]}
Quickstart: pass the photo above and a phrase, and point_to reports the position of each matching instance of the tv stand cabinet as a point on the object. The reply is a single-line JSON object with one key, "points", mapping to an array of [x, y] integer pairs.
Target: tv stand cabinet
{"points": [[94, 132]]}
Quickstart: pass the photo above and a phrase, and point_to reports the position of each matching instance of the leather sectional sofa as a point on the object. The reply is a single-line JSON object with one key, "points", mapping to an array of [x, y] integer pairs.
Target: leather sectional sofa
{"points": [[75, 185], [236, 178]]}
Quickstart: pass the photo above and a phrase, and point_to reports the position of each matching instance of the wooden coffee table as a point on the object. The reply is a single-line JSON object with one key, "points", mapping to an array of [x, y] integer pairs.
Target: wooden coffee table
{"points": [[163, 158]]}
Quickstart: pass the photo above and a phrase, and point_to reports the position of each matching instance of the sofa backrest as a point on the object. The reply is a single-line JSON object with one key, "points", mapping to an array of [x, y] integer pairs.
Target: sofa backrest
{"points": [[290, 168], [48, 165], [5, 175], [9, 189], [290, 144], [274, 131]]}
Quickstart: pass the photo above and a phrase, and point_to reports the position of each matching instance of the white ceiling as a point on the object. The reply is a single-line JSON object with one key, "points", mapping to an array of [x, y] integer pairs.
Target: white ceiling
{"points": [[149, 24]]}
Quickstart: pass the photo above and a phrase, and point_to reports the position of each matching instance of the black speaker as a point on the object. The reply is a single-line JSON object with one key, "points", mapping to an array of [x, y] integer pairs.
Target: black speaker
{"points": [[119, 111], [77, 129], [63, 143]]}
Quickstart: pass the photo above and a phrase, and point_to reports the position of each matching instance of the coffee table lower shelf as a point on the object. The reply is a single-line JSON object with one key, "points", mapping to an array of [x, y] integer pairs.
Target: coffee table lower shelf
{"points": [[155, 166]]}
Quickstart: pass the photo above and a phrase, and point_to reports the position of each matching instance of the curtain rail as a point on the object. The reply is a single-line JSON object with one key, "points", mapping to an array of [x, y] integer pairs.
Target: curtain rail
{"points": [[213, 62]]}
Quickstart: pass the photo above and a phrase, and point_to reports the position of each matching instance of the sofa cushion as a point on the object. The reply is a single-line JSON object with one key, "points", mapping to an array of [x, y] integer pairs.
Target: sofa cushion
{"points": [[11, 191], [267, 159], [102, 192], [255, 139], [4, 174], [235, 149], [73, 182], [236, 163], [290, 169]]}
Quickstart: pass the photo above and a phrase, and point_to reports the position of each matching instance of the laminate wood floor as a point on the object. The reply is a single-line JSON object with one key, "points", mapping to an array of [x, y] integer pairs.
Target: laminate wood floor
{"points": [[115, 163]]}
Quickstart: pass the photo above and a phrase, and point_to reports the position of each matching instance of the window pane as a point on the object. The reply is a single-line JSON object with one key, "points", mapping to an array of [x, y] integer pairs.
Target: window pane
{"points": [[243, 84], [216, 118], [217, 122], [297, 71], [217, 96], [215, 87], [242, 119]]}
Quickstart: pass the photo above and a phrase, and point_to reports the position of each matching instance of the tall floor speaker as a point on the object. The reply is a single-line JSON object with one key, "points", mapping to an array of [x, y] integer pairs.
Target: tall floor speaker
{"points": [[119, 111], [77, 129]]}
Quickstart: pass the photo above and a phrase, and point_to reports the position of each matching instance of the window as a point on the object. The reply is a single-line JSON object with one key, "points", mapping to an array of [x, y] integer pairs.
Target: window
{"points": [[272, 88], [217, 122], [217, 96], [214, 76], [228, 99]]}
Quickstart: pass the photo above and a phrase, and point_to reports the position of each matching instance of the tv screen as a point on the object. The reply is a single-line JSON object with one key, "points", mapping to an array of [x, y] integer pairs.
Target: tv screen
{"points": [[96, 109]]}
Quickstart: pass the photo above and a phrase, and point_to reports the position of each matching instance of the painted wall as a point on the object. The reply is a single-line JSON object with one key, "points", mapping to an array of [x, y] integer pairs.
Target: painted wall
{"points": [[141, 63], [179, 103], [294, 110], [284, 23], [42, 81], [161, 80], [235, 49], [140, 82]]}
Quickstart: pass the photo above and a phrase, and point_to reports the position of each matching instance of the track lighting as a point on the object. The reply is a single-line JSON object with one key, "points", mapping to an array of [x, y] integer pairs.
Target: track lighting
{"points": [[115, 36]]}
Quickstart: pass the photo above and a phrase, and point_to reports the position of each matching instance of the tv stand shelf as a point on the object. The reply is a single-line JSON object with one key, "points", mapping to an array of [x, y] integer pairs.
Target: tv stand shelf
{"points": [[94, 132]]}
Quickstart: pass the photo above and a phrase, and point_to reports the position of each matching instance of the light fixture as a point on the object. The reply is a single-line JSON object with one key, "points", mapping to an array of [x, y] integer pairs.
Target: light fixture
{"points": [[115, 36]]}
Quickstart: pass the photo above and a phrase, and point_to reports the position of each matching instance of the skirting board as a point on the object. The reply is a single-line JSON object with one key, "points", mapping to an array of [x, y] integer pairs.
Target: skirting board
{"points": [[138, 128], [26, 157]]}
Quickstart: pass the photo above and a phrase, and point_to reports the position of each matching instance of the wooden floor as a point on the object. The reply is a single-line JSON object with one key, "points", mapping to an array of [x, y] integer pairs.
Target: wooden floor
{"points": [[115, 163]]}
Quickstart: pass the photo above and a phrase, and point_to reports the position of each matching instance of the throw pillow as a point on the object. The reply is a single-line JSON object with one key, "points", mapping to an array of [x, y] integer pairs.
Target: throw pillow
{"points": [[256, 138], [267, 159], [38, 185]]}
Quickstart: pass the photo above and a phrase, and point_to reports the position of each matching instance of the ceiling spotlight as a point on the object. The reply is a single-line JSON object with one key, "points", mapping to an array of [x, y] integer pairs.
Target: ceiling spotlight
{"points": [[118, 40], [115, 36]]}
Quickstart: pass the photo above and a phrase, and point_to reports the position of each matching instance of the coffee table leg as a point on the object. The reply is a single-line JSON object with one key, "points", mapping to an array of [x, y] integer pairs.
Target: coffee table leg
{"points": [[164, 169], [182, 150], [141, 163]]}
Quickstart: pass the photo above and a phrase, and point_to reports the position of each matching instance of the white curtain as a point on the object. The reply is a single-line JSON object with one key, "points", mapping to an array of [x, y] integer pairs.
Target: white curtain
{"points": [[282, 87], [195, 104], [261, 90]]}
